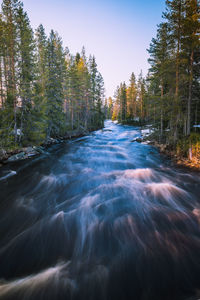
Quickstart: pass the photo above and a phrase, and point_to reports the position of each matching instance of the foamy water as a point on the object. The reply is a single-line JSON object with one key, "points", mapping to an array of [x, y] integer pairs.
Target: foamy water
{"points": [[100, 218]]}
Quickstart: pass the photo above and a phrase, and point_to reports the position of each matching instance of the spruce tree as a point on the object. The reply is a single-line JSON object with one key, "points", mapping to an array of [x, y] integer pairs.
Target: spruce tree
{"points": [[110, 108], [44, 90], [160, 72], [175, 15], [26, 73], [2, 59], [141, 97], [93, 85], [190, 46], [9, 10], [99, 101], [54, 86], [131, 98]]}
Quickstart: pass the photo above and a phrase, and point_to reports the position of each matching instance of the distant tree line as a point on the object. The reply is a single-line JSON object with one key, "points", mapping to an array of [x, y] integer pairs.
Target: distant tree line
{"points": [[169, 97], [128, 104], [44, 90]]}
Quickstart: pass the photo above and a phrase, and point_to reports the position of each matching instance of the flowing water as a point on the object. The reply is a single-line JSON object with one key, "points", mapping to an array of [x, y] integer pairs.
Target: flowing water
{"points": [[99, 218]]}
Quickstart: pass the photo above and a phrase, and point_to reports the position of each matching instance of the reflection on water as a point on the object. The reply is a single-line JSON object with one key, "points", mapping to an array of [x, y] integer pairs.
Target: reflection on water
{"points": [[101, 218]]}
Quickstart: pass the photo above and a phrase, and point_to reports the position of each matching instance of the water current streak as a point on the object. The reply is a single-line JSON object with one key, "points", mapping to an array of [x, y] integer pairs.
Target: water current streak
{"points": [[100, 218]]}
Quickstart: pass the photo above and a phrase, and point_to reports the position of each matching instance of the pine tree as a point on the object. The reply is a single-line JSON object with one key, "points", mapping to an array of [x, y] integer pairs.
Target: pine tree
{"points": [[159, 71], [190, 45], [175, 16], [116, 106], [131, 98], [54, 86], [141, 97], [83, 87], [44, 90], [110, 108], [9, 10], [99, 101], [71, 91], [123, 101], [25, 76], [93, 84], [2, 58], [41, 43]]}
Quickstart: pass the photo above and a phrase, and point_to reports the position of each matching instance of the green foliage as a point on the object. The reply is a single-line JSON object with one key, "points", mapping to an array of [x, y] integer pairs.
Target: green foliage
{"points": [[84, 93], [44, 90], [192, 142], [173, 89], [129, 105], [169, 96]]}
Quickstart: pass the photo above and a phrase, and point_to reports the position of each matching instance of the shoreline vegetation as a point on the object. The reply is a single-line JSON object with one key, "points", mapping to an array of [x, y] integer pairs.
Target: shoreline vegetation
{"points": [[46, 93], [185, 153], [23, 153], [168, 98]]}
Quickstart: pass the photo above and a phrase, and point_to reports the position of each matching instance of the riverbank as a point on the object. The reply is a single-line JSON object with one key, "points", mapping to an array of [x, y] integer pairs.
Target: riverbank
{"points": [[107, 207], [183, 153], [168, 150], [23, 153]]}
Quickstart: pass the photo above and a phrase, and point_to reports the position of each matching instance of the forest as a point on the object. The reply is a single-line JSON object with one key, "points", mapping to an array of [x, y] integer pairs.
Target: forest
{"points": [[168, 98], [45, 91], [91, 207]]}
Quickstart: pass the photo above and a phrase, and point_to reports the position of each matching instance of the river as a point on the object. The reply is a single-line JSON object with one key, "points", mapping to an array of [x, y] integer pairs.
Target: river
{"points": [[99, 218]]}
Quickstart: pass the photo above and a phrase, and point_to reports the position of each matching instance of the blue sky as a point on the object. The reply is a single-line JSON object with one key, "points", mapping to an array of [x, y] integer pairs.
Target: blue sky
{"points": [[116, 32]]}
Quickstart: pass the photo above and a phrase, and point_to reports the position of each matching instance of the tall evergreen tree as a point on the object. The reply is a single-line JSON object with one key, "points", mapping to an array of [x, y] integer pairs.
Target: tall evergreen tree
{"points": [[175, 16], [99, 100], [9, 10], [54, 85], [44, 90], [2, 60], [190, 46], [93, 84], [25, 75], [141, 97], [160, 66], [131, 98]]}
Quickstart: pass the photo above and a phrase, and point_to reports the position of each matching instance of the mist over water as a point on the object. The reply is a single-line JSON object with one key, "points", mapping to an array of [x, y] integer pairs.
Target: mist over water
{"points": [[99, 218]]}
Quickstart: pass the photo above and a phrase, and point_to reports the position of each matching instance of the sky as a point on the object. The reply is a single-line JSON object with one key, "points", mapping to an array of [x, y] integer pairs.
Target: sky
{"points": [[117, 32]]}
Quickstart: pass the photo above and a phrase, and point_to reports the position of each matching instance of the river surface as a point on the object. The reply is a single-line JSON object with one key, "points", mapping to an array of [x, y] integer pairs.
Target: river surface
{"points": [[99, 218]]}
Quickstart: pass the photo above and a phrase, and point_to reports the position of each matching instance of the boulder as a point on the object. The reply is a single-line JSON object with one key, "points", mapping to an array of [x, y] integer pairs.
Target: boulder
{"points": [[138, 140], [16, 157], [51, 141], [39, 149], [33, 153], [30, 151]]}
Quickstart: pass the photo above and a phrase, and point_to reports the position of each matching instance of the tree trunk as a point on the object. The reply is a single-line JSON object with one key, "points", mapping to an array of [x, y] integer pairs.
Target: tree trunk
{"points": [[190, 93], [176, 102], [12, 84], [1, 85], [196, 116], [5, 73], [161, 112]]}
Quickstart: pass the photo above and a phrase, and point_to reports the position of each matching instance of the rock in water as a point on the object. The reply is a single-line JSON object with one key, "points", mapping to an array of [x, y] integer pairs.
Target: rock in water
{"points": [[16, 157], [138, 140]]}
